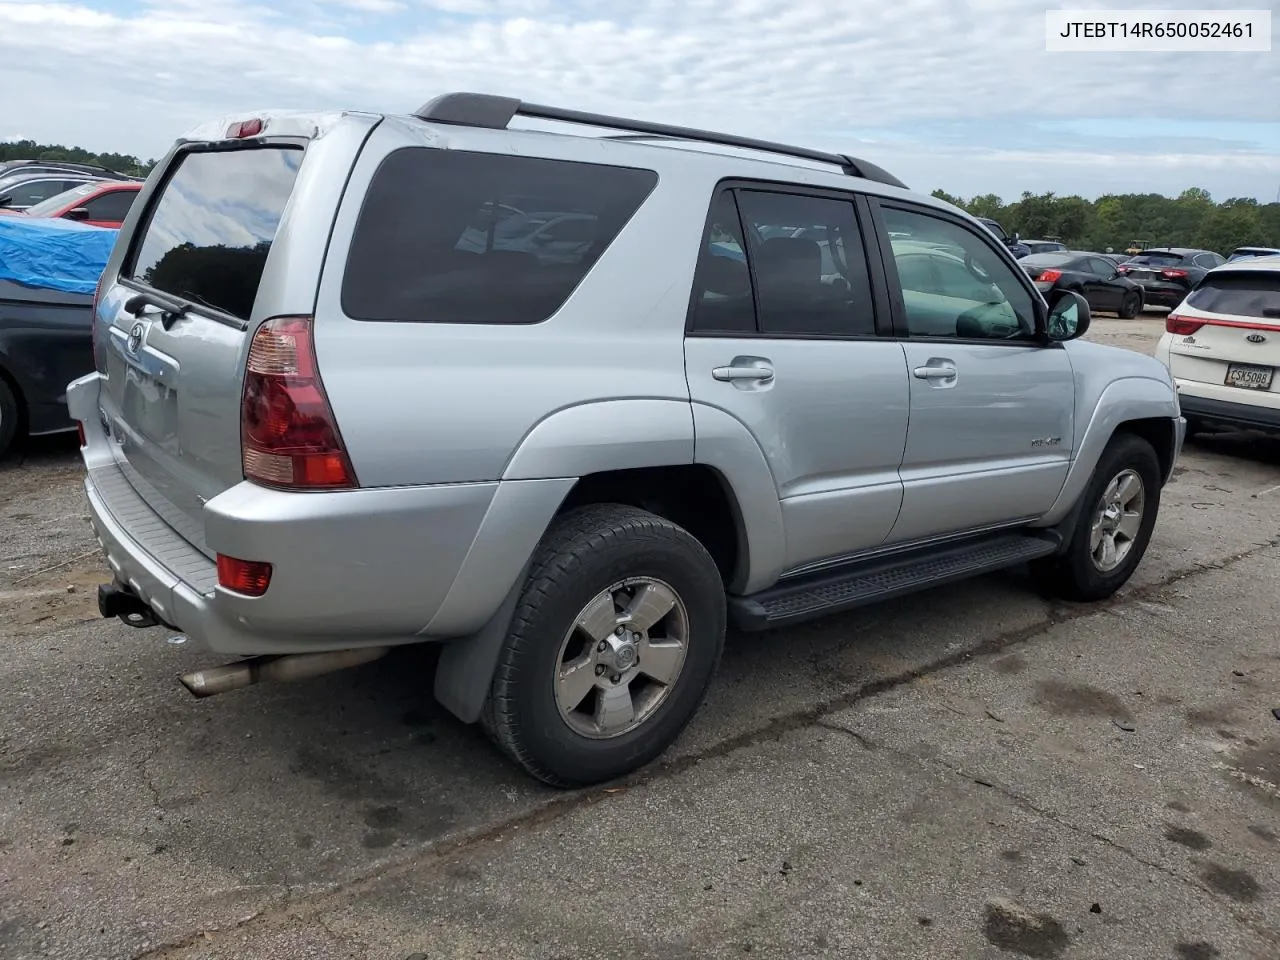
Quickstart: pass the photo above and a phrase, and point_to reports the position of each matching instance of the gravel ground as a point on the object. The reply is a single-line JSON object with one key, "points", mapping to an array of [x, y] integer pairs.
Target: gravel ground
{"points": [[976, 774]]}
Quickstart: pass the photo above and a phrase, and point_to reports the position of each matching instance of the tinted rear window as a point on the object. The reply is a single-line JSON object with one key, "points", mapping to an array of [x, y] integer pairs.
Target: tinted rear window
{"points": [[208, 236], [1157, 259], [1046, 259], [449, 236], [1243, 294]]}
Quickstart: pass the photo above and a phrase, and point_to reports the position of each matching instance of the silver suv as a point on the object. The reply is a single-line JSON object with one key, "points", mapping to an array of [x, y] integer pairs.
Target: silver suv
{"points": [[572, 404]]}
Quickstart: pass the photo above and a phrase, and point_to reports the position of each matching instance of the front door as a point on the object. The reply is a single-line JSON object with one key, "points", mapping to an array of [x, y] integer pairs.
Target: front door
{"points": [[783, 338], [992, 407]]}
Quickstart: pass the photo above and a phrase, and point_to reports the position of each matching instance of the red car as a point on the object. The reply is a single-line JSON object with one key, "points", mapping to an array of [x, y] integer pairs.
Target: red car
{"points": [[99, 203]]}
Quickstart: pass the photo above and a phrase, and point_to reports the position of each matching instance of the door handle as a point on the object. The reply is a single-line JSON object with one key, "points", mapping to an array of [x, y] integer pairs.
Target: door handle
{"points": [[759, 372], [940, 372]]}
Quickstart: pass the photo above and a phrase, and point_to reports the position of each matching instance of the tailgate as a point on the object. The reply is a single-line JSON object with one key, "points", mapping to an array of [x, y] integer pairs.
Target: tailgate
{"points": [[172, 330], [1237, 342]]}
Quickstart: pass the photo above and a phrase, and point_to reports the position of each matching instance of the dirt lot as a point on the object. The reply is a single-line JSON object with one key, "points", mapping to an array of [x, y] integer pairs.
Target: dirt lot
{"points": [[975, 773]]}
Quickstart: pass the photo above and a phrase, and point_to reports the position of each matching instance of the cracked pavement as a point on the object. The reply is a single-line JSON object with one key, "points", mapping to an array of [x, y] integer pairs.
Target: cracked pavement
{"points": [[972, 773]]}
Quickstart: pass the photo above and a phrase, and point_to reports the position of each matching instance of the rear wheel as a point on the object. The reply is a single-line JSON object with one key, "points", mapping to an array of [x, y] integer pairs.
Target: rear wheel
{"points": [[1131, 306], [611, 648], [9, 417], [1114, 527]]}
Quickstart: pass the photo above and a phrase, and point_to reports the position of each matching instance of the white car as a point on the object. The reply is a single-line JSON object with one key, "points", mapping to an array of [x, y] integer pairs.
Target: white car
{"points": [[1222, 346]]}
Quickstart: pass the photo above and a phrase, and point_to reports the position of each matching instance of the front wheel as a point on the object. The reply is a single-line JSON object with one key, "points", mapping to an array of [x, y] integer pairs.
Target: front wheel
{"points": [[1114, 527], [611, 649], [1131, 306]]}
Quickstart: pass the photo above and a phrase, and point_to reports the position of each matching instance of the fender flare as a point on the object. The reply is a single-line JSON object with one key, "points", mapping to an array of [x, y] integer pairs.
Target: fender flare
{"points": [[604, 435], [1124, 400], [726, 445]]}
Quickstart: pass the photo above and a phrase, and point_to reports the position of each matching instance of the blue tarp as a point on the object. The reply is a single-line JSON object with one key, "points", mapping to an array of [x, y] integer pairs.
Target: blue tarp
{"points": [[54, 254]]}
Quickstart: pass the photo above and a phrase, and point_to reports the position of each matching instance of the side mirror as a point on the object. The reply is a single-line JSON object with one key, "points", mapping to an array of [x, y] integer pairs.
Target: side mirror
{"points": [[79, 213], [1068, 316]]}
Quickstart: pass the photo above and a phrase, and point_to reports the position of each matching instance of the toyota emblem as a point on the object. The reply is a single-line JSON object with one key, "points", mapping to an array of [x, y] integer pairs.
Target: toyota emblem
{"points": [[1256, 338], [135, 338]]}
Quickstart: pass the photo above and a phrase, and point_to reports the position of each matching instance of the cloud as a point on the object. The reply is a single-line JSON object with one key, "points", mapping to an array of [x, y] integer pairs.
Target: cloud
{"points": [[958, 93]]}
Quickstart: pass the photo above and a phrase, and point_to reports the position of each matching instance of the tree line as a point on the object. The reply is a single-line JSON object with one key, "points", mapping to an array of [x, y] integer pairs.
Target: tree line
{"points": [[1123, 221], [30, 150]]}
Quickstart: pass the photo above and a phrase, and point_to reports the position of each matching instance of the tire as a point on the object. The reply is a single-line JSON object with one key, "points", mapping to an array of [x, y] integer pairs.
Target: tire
{"points": [[585, 554], [1077, 574], [10, 415], [1131, 306]]}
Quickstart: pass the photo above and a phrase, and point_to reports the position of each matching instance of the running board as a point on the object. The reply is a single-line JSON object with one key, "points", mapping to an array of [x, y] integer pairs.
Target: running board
{"points": [[881, 578]]}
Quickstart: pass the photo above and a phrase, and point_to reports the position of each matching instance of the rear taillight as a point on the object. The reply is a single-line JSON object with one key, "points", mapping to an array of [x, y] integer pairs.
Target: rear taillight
{"points": [[1173, 274], [249, 577], [80, 431], [1181, 326], [1049, 276], [1122, 269], [288, 435]]}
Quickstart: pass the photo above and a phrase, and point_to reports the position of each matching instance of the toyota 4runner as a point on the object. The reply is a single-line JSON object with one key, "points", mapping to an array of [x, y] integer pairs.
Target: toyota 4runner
{"points": [[572, 402]]}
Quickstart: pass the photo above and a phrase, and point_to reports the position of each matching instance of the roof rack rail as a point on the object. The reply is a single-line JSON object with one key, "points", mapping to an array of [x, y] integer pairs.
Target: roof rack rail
{"points": [[495, 113]]}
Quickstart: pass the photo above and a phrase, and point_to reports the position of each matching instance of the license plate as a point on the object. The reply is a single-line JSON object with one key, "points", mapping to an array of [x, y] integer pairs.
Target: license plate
{"points": [[1249, 377]]}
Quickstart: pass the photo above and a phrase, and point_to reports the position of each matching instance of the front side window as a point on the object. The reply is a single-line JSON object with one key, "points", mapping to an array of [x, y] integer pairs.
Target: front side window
{"points": [[448, 236], [111, 207], [976, 296]]}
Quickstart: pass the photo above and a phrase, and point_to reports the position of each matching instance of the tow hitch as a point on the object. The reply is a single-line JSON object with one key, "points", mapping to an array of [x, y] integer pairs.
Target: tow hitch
{"points": [[117, 601]]}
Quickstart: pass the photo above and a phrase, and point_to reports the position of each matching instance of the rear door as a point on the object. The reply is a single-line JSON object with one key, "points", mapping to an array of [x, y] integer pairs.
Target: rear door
{"points": [[992, 407], [783, 337], [1232, 343]]}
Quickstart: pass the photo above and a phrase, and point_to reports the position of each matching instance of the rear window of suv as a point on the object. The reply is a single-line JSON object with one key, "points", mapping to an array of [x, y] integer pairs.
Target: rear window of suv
{"points": [[1156, 259], [207, 237], [450, 236], [1245, 294]]}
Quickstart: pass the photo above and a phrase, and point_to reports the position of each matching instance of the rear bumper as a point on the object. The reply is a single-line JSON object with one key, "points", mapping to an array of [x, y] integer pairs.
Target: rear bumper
{"points": [[1227, 412], [356, 568], [1162, 294]]}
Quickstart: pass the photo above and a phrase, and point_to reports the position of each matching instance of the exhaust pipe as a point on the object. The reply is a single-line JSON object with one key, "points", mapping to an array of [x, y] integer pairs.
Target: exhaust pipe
{"points": [[293, 666]]}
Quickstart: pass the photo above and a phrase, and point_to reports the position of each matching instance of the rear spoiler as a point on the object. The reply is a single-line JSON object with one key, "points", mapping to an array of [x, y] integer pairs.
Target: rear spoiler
{"points": [[270, 123]]}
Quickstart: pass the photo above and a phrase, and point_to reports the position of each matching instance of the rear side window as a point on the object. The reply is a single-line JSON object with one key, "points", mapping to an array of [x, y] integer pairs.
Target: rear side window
{"points": [[1243, 294], [209, 233], [449, 236]]}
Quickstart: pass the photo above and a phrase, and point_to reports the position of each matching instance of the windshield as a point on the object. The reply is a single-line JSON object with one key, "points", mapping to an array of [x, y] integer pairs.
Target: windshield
{"points": [[55, 203]]}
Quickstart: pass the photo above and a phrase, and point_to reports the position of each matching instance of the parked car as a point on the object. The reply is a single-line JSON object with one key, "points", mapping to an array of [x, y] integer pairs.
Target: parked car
{"points": [[10, 167], [99, 203], [313, 438], [1222, 345], [1015, 245], [18, 191], [48, 272], [1091, 275], [1043, 246], [1245, 253], [1167, 274]]}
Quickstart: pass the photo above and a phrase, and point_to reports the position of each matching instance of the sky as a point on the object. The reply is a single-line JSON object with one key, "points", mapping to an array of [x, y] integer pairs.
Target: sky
{"points": [[956, 94]]}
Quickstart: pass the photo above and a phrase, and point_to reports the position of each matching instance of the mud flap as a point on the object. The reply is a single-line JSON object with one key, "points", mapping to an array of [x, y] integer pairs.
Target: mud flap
{"points": [[465, 670]]}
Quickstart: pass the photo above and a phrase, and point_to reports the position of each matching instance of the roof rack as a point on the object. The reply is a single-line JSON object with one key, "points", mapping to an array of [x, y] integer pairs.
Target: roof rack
{"points": [[495, 113]]}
